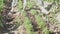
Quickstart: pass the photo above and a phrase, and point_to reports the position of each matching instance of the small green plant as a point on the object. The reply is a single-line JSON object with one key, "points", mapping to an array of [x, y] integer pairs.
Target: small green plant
{"points": [[30, 4], [41, 24], [33, 12], [20, 5], [1, 5], [28, 25]]}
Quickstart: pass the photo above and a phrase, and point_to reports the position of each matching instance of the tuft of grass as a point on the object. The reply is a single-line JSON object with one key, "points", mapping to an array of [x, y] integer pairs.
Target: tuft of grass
{"points": [[42, 24], [1, 7], [33, 12], [20, 5], [30, 4], [28, 25]]}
